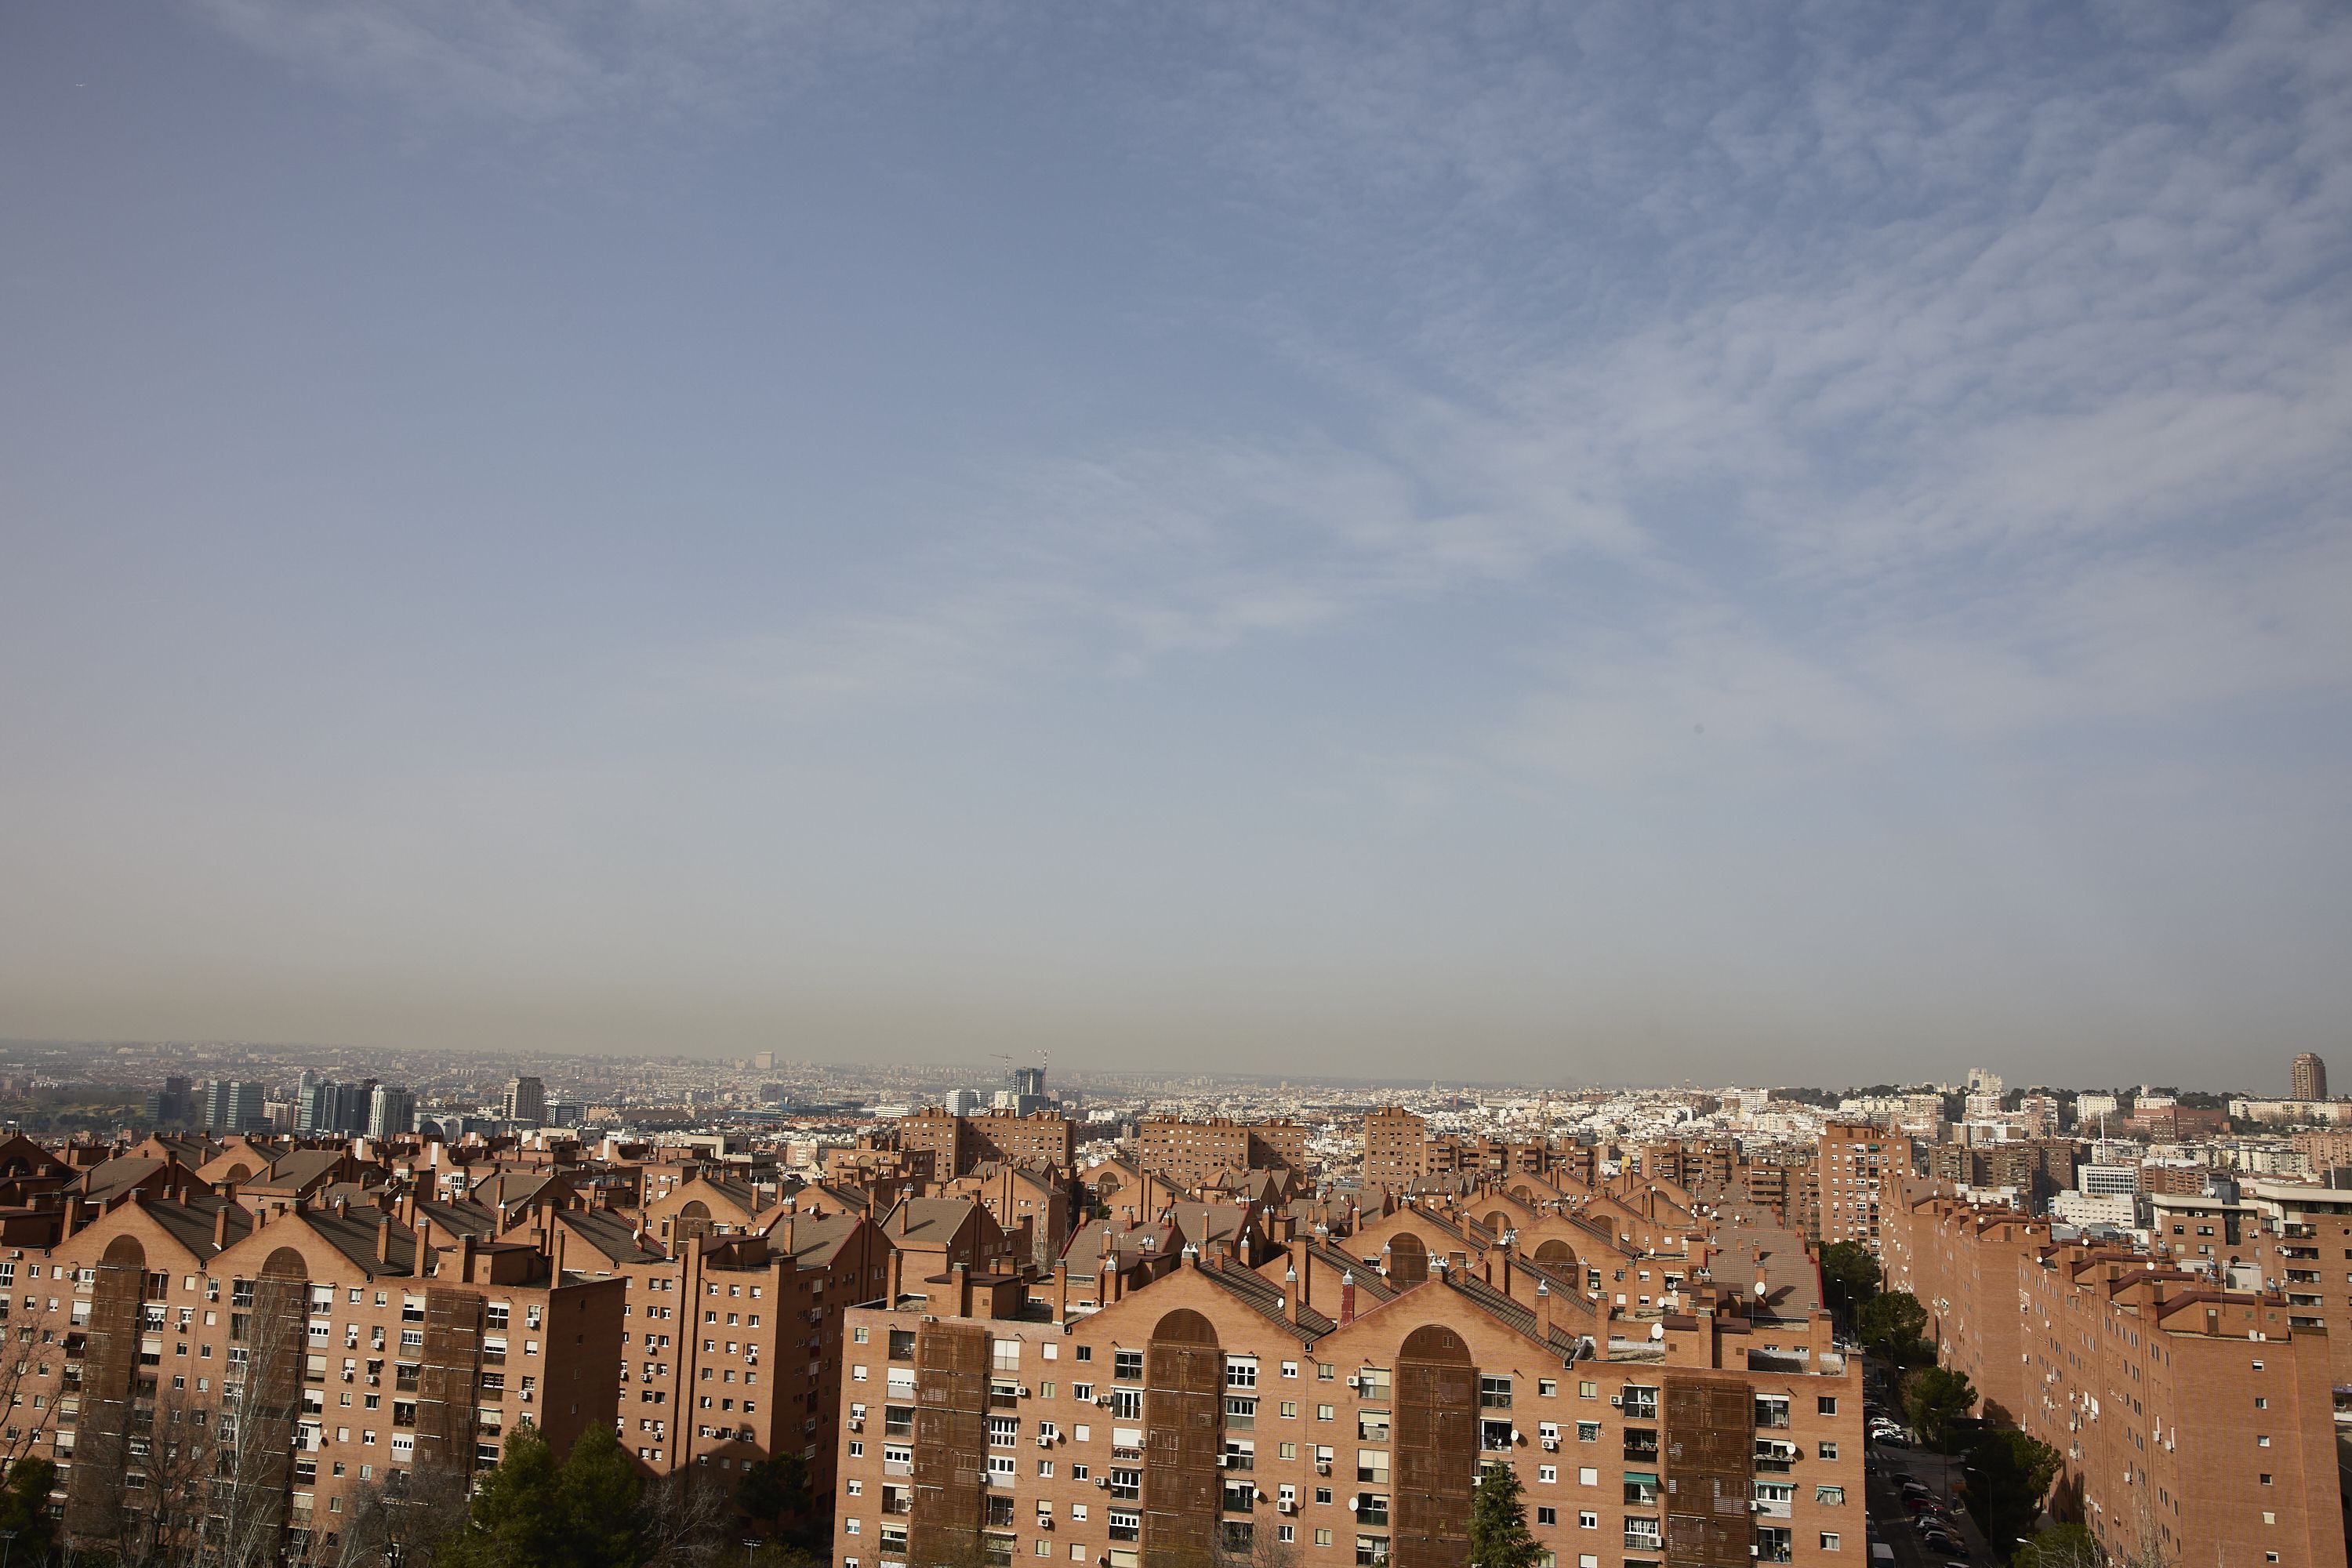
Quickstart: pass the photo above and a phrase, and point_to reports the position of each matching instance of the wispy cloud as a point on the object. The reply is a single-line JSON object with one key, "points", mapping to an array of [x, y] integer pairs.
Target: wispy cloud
{"points": [[559, 60], [1830, 367]]}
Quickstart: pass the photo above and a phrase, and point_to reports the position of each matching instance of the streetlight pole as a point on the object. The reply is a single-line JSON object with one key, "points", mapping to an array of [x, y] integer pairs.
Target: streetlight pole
{"points": [[7, 1544]]}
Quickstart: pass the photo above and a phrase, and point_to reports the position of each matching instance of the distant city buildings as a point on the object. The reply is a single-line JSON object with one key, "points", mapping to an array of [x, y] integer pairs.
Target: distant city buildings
{"points": [[324, 1107], [2308, 1078], [173, 1105], [235, 1105], [391, 1109], [525, 1101]]}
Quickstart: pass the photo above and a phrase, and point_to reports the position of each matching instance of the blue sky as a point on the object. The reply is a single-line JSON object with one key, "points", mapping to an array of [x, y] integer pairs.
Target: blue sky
{"points": [[1803, 543]]}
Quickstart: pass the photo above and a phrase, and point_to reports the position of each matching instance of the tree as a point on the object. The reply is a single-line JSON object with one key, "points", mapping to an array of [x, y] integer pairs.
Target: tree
{"points": [[2060, 1546], [1892, 1322], [516, 1521], [775, 1491], [687, 1518], [1499, 1537], [404, 1518], [1936, 1399], [1851, 1276], [596, 1492], [25, 1507], [2008, 1474]]}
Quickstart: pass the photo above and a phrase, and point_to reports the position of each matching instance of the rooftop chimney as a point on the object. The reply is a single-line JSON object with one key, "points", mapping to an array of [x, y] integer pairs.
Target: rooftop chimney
{"points": [[1346, 1298]]}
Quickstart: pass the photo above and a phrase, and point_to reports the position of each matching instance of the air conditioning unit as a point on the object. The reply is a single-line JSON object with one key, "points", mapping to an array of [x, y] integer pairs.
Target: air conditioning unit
{"points": [[1103, 1481], [1617, 1399], [1043, 1441], [1022, 1391], [1551, 1445], [1103, 1400], [1353, 1381], [1322, 1467], [1287, 1505]]}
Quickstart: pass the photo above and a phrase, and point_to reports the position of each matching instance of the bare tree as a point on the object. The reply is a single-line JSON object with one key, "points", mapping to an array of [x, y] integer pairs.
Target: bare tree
{"points": [[401, 1519], [26, 1426], [686, 1516], [1263, 1551]]}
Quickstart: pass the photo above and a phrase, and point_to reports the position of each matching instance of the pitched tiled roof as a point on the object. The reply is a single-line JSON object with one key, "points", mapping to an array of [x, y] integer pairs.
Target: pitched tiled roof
{"points": [[613, 1236], [1265, 1298], [191, 1222], [354, 1235]]}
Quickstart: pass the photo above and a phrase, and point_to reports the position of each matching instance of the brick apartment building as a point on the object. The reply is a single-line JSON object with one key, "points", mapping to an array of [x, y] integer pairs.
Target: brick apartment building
{"points": [[731, 1342], [1961, 1262], [1857, 1172], [1396, 1144], [1400, 1153], [1345, 1417], [1196, 1154], [2197, 1425], [2303, 1251], [958, 1146], [347, 1347]]}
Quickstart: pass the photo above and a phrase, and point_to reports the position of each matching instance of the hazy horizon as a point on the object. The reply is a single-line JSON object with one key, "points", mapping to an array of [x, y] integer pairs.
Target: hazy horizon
{"points": [[1804, 543]]}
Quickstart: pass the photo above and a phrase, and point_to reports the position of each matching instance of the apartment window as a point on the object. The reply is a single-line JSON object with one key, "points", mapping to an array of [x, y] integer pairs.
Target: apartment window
{"points": [[1127, 1364], [1588, 1431], [1547, 1516], [1588, 1520], [1829, 1541], [1826, 1405], [1548, 1474], [1546, 1387], [1828, 1450]]}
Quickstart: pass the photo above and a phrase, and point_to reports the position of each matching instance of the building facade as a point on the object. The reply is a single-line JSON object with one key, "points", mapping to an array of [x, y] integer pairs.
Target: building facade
{"points": [[1212, 1408]]}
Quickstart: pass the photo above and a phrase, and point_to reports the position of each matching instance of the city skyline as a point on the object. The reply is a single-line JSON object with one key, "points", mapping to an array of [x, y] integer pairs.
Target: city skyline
{"points": [[1613, 543]]}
